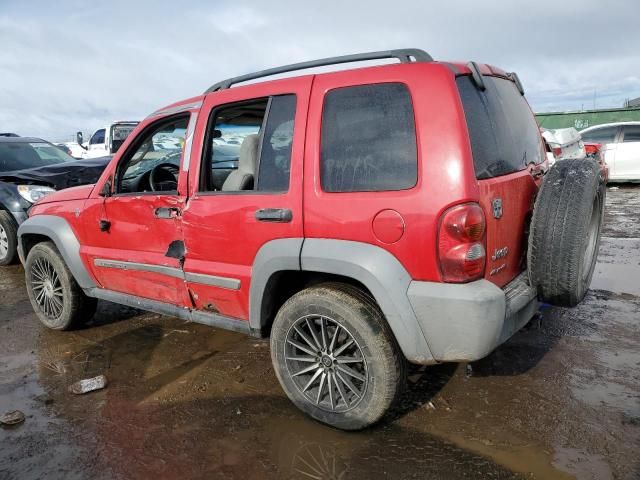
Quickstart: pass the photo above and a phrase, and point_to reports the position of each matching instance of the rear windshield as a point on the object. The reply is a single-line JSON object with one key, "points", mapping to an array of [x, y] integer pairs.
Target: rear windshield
{"points": [[503, 132], [24, 155]]}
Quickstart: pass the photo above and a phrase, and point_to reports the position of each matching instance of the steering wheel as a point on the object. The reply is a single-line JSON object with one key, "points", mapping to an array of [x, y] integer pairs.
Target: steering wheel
{"points": [[163, 177]]}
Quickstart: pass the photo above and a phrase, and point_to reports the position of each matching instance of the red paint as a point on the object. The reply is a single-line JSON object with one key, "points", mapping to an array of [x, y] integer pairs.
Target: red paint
{"points": [[388, 226], [220, 231]]}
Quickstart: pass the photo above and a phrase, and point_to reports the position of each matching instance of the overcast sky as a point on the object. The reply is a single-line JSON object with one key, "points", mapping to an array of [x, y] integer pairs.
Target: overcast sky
{"points": [[76, 65]]}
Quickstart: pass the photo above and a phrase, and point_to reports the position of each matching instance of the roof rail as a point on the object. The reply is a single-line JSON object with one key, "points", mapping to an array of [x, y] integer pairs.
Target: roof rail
{"points": [[405, 55]]}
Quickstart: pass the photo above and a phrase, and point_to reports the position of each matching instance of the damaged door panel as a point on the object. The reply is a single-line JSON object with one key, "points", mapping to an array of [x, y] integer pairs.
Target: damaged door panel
{"points": [[241, 196]]}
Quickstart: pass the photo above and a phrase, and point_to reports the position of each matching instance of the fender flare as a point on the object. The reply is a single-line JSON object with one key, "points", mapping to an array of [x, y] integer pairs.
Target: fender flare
{"points": [[60, 232], [377, 269]]}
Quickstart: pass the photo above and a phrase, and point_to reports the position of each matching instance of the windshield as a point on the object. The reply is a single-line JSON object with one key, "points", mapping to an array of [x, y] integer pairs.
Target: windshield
{"points": [[25, 155]]}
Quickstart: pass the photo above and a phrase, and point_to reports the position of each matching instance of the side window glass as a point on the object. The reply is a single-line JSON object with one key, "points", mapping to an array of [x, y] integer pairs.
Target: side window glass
{"points": [[230, 157], [247, 151], [275, 156], [97, 137], [368, 139], [600, 135], [154, 163], [631, 133]]}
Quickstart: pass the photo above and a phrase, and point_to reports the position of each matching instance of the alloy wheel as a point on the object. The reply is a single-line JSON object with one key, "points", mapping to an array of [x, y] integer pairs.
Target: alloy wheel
{"points": [[47, 288], [326, 363]]}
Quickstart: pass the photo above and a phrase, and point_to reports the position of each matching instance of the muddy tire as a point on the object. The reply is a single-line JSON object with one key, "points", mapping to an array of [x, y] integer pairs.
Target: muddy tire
{"points": [[8, 239], [565, 232], [55, 296], [336, 357]]}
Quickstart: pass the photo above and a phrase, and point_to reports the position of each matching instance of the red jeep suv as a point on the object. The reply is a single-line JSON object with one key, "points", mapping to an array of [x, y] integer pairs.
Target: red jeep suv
{"points": [[360, 218]]}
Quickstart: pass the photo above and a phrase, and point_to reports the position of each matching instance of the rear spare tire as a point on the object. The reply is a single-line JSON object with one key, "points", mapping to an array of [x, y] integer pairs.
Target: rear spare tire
{"points": [[565, 231]]}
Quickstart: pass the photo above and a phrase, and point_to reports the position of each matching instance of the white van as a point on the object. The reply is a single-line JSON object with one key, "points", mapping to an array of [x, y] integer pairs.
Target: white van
{"points": [[107, 140]]}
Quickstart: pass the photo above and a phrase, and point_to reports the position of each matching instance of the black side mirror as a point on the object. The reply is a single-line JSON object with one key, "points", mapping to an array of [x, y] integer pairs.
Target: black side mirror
{"points": [[79, 138], [106, 189]]}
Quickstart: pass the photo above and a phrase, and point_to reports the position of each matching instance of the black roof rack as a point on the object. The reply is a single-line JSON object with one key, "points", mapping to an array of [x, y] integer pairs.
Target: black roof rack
{"points": [[405, 55]]}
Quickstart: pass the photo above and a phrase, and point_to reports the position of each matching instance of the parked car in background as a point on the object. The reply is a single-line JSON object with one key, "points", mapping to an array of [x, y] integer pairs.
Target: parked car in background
{"points": [[31, 168], [620, 148], [64, 148], [8, 134], [107, 140], [564, 143], [356, 228]]}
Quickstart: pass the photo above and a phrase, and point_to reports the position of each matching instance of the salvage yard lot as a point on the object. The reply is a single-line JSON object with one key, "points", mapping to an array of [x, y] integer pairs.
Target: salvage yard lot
{"points": [[561, 399]]}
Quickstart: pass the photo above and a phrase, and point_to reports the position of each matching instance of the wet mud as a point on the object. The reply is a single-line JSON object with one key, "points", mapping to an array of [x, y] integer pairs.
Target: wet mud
{"points": [[561, 399]]}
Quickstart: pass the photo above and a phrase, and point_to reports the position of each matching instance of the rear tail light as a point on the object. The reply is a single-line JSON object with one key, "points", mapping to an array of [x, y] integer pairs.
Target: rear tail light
{"points": [[592, 148], [557, 152], [461, 243]]}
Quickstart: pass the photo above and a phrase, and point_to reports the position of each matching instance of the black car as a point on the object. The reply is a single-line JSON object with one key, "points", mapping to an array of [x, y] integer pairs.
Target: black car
{"points": [[31, 168]]}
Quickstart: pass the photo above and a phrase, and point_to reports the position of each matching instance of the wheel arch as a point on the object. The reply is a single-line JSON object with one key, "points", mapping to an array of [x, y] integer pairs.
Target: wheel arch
{"points": [[284, 267], [56, 229]]}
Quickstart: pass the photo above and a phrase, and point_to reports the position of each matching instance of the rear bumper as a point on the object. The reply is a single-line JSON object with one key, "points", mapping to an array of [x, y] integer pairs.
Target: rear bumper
{"points": [[466, 322]]}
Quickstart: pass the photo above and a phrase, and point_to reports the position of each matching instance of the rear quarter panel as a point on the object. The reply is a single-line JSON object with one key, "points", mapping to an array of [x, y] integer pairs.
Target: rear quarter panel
{"points": [[445, 169]]}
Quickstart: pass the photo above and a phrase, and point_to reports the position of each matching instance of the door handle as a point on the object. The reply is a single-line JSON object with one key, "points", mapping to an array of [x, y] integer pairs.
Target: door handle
{"points": [[276, 215], [167, 212]]}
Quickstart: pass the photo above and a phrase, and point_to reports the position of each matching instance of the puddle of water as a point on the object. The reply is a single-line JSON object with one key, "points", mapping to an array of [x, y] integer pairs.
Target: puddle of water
{"points": [[618, 267], [606, 394], [583, 465], [528, 459]]}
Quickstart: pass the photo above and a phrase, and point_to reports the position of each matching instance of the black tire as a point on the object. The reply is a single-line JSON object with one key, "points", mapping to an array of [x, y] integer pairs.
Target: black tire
{"points": [[47, 275], [376, 364], [565, 231], [8, 239]]}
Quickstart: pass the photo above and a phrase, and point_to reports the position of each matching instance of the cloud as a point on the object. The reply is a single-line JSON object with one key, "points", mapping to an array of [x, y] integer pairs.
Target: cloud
{"points": [[65, 66]]}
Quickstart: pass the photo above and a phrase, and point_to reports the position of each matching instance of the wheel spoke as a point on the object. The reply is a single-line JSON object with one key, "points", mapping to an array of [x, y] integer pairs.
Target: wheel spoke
{"points": [[313, 379], [306, 370], [343, 348], [350, 371], [312, 330], [36, 269], [330, 388], [301, 347], [304, 337], [303, 358], [340, 389], [323, 333], [335, 337], [39, 296], [46, 305], [344, 360], [322, 380], [348, 383]]}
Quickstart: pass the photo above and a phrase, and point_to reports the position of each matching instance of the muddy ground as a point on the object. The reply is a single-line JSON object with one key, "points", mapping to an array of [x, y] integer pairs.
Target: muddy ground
{"points": [[560, 400]]}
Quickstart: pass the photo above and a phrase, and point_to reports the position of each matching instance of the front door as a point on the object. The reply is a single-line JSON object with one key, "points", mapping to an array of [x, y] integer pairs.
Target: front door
{"points": [[247, 190], [134, 238]]}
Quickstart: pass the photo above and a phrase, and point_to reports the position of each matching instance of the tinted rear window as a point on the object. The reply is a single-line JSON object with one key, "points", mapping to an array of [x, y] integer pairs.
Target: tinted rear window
{"points": [[368, 139], [503, 132]]}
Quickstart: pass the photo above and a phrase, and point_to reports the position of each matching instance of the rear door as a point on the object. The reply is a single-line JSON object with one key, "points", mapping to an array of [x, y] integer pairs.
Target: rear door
{"points": [[247, 190], [509, 161], [627, 160]]}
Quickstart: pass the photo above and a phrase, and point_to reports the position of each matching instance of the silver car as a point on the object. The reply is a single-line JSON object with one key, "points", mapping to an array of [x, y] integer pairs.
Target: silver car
{"points": [[621, 148]]}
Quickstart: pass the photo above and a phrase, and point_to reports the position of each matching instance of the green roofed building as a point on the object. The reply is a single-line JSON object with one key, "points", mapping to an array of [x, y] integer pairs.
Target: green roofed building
{"points": [[587, 118]]}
